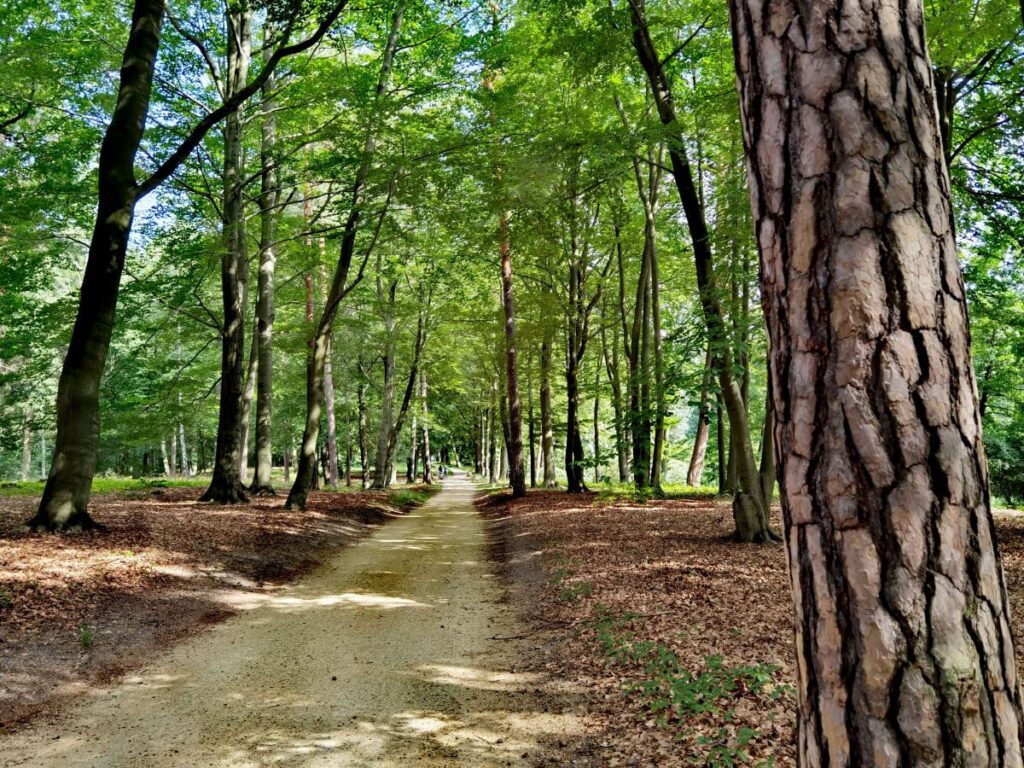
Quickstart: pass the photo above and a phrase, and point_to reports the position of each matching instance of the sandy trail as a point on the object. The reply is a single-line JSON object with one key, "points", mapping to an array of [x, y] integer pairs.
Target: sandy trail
{"points": [[383, 657]]}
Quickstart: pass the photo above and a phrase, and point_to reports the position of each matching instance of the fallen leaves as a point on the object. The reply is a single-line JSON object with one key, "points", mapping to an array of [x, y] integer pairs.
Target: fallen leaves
{"points": [[670, 575]]}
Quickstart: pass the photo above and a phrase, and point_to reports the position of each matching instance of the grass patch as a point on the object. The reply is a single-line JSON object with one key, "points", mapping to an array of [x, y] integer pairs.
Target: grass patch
{"points": [[109, 485], [610, 493], [86, 637], [411, 497]]}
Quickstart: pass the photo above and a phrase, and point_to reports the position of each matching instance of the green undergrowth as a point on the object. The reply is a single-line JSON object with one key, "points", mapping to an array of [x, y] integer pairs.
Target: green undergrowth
{"points": [[611, 492], [412, 497], [109, 485], [674, 695]]}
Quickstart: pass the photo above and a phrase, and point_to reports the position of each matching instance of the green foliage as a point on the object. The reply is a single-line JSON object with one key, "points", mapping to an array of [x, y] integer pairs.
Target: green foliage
{"points": [[86, 636]]}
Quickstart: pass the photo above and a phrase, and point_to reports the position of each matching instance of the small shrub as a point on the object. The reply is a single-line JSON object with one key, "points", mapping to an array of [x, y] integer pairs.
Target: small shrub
{"points": [[86, 636]]}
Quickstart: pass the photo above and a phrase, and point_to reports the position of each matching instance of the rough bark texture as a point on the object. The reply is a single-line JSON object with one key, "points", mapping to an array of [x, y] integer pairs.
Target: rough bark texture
{"points": [[66, 496], [905, 656]]}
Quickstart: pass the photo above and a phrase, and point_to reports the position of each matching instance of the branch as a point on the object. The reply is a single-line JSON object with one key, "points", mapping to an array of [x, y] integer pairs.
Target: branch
{"points": [[170, 165]]}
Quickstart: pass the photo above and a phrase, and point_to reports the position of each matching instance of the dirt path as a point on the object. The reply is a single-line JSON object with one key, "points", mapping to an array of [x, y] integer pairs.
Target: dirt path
{"points": [[383, 657]]}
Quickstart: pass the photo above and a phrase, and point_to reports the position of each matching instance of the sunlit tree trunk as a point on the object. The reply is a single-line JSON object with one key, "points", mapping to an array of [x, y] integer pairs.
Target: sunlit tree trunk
{"points": [[904, 648], [695, 471], [66, 496]]}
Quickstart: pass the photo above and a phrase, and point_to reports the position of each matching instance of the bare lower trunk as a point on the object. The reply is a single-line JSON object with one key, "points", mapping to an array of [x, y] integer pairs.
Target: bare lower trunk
{"points": [[364, 436], [26, 446], [332, 424], [247, 396], [66, 496], [226, 484], [695, 472], [904, 648], [547, 435], [428, 475]]}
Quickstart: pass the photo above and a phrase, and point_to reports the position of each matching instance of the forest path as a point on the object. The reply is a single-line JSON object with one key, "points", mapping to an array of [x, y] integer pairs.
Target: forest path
{"points": [[385, 656]]}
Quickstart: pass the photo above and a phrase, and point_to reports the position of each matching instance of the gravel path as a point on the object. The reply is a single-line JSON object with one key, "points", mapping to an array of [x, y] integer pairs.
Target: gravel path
{"points": [[384, 657]]}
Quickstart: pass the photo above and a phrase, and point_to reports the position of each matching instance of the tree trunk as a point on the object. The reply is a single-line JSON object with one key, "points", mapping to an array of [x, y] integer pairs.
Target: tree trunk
{"points": [[492, 443], [904, 648], [340, 284], [364, 435], [517, 475], [332, 424], [547, 434], [532, 429], [611, 362], [413, 464], [695, 472], [26, 446], [163, 455], [428, 475], [66, 496], [749, 509], [597, 423], [265, 313], [226, 484], [247, 396], [574, 458]]}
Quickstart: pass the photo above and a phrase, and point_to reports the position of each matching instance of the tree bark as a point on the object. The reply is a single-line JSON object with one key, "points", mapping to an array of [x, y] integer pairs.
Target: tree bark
{"points": [[532, 428], [66, 495], [226, 484], [904, 648]]}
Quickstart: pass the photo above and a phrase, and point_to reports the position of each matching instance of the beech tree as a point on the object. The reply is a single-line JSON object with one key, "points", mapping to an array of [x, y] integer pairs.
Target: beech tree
{"points": [[905, 655]]}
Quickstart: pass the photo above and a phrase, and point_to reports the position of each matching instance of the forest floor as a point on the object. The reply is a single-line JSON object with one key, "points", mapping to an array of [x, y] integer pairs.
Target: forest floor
{"points": [[398, 651], [680, 638], [77, 611]]}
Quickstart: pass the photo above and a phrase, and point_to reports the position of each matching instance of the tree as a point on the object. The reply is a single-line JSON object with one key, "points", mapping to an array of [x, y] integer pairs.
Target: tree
{"points": [[69, 484], [905, 654]]}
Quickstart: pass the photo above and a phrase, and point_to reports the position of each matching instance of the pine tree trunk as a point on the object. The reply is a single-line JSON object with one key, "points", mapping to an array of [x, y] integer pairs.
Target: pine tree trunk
{"points": [[226, 484], [66, 496], [904, 648]]}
